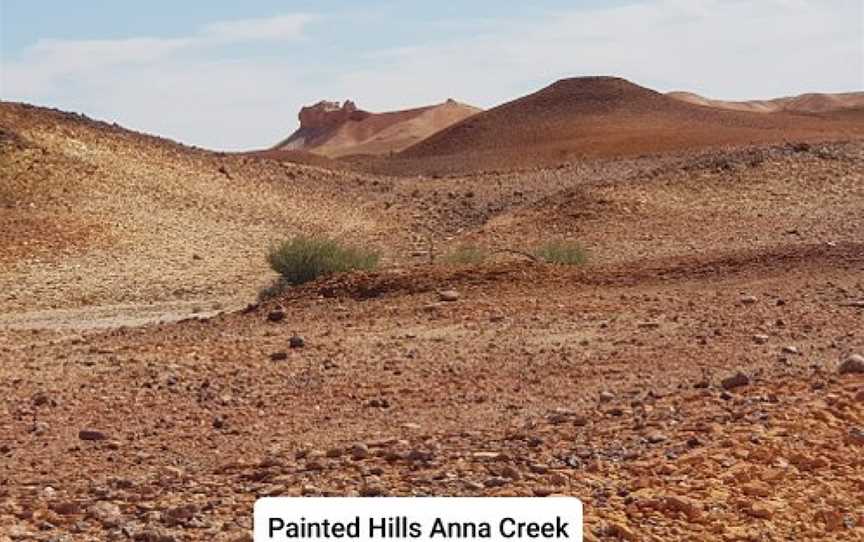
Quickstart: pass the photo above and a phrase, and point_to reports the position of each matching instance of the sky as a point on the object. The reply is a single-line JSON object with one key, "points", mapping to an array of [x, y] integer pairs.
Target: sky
{"points": [[230, 75]]}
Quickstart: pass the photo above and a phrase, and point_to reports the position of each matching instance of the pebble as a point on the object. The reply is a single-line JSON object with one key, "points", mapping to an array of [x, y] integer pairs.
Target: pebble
{"points": [[854, 364], [276, 315], [66, 508], [218, 422], [279, 356], [92, 434], [359, 451], [106, 513], [760, 339], [296, 342], [448, 295], [791, 350], [655, 438], [737, 380], [748, 299], [606, 396], [495, 481]]}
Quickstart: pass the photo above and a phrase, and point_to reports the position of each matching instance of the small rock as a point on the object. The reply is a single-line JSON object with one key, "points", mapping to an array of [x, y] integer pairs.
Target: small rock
{"points": [[495, 481], [278, 356], [448, 295], [40, 428], [606, 396], [334, 452], [155, 534], [854, 364], [543, 491], [760, 339], [218, 422], [761, 510], [791, 350], [359, 451], [296, 342], [856, 436], [737, 380], [66, 508], [748, 299], [276, 315], [92, 434], [655, 438], [106, 513], [372, 490]]}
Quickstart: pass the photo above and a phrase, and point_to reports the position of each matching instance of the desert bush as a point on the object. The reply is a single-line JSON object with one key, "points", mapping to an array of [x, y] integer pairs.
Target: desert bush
{"points": [[302, 258], [561, 252], [466, 255]]}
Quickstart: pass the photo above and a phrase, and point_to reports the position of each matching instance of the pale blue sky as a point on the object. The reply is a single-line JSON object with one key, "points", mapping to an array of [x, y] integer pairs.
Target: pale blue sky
{"points": [[232, 75]]}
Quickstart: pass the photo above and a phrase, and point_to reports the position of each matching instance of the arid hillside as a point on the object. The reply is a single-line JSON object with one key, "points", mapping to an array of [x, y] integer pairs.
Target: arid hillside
{"points": [[594, 117], [94, 214], [804, 103], [331, 130]]}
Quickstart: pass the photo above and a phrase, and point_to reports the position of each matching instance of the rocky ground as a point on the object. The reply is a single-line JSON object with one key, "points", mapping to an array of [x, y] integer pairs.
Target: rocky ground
{"points": [[695, 399], [701, 378]]}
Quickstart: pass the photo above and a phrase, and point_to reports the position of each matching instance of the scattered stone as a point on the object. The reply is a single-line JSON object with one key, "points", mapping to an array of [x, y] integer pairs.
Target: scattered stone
{"points": [[760, 339], [155, 534], [495, 481], [359, 451], [276, 315], [65, 508], [655, 438], [737, 380], [219, 422], [761, 510], [92, 434], [278, 356], [334, 452], [106, 513], [856, 436], [854, 364], [372, 490], [606, 396], [791, 350], [296, 342], [748, 299], [448, 295], [488, 456], [543, 491]]}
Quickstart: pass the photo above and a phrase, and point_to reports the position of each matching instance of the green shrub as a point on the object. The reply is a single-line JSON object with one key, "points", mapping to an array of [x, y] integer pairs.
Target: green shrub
{"points": [[562, 253], [466, 255], [301, 259]]}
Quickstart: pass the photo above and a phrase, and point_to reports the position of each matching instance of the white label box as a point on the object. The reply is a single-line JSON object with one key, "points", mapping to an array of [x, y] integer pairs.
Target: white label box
{"points": [[420, 519]]}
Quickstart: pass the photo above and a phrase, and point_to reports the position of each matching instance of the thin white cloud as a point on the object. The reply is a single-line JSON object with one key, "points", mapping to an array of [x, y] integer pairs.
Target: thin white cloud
{"points": [[268, 28], [179, 88]]}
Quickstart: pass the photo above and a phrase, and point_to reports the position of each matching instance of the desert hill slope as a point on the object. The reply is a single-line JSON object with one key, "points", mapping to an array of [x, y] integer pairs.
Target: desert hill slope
{"points": [[134, 217], [804, 103], [597, 117], [332, 130]]}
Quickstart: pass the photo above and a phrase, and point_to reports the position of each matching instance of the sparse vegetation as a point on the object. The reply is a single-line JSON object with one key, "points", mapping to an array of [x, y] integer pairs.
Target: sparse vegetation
{"points": [[561, 252], [466, 255], [303, 258]]}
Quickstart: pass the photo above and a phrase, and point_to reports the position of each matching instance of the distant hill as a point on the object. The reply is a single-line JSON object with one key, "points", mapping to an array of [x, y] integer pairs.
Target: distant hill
{"points": [[331, 130], [597, 117], [805, 103]]}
